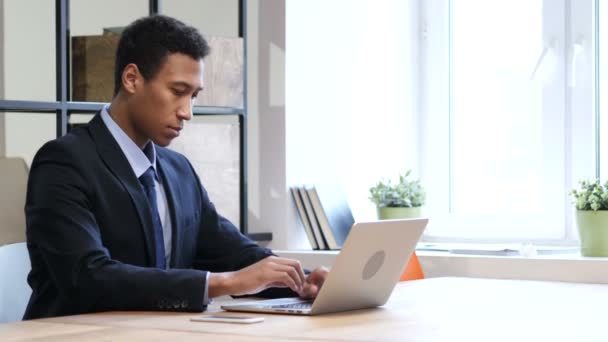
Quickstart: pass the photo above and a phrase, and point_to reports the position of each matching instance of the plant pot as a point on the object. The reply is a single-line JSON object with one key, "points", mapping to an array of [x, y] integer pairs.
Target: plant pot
{"points": [[387, 213], [593, 231]]}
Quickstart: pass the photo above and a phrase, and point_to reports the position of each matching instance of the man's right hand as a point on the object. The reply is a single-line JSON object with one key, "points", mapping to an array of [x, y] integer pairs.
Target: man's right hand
{"points": [[269, 272]]}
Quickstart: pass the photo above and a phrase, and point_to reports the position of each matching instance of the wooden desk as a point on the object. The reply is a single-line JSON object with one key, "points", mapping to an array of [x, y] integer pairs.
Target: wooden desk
{"points": [[437, 309]]}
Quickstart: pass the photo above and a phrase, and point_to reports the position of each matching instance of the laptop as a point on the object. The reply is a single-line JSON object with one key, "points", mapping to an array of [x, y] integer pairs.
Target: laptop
{"points": [[364, 274]]}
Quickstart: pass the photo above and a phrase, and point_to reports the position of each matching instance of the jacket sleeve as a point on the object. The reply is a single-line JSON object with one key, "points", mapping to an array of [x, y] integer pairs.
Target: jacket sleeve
{"points": [[222, 247], [65, 245]]}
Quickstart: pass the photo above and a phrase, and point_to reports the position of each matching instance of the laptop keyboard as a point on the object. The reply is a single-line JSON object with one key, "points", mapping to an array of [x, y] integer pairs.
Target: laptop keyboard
{"points": [[293, 306]]}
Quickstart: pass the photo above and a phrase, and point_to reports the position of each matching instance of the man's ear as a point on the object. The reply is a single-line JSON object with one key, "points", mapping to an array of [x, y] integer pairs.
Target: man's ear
{"points": [[131, 78]]}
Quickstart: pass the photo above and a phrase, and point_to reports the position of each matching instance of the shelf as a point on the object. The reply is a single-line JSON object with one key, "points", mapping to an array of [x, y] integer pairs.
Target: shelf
{"points": [[31, 106], [86, 107], [93, 107], [205, 110], [260, 237], [62, 108]]}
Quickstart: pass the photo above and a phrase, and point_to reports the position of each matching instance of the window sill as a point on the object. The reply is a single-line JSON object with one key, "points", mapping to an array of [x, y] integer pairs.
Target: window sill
{"points": [[567, 267]]}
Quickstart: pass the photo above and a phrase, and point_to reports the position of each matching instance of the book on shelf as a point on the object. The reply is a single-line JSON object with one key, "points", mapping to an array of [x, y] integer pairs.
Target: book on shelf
{"points": [[314, 222], [331, 209], [304, 217]]}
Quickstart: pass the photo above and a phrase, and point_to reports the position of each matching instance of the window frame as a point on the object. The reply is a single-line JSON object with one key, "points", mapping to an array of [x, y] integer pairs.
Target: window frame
{"points": [[577, 82]]}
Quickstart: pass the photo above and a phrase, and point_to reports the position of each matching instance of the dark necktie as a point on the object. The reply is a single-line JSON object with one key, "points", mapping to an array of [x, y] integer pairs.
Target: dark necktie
{"points": [[147, 180]]}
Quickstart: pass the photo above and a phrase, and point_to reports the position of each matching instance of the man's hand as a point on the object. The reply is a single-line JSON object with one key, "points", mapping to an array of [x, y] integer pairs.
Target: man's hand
{"points": [[313, 283], [268, 272]]}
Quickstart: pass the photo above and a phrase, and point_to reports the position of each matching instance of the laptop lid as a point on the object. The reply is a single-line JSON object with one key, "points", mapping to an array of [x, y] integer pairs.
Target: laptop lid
{"points": [[365, 272]]}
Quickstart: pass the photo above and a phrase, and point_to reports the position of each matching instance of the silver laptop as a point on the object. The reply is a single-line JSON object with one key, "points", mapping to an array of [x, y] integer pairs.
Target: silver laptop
{"points": [[364, 274]]}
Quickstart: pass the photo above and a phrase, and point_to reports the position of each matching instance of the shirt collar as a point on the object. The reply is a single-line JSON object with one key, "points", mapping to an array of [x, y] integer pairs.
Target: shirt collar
{"points": [[140, 160]]}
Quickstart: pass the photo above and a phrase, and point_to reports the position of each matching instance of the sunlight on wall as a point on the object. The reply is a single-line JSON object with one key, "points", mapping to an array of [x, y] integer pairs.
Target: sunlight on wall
{"points": [[351, 101]]}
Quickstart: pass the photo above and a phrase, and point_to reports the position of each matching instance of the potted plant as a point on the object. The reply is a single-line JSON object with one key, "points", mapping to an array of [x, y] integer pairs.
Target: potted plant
{"points": [[591, 202], [400, 200]]}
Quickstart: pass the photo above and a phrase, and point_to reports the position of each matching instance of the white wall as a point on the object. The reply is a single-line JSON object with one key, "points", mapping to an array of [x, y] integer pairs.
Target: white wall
{"points": [[89, 18], [29, 73], [266, 119], [214, 17]]}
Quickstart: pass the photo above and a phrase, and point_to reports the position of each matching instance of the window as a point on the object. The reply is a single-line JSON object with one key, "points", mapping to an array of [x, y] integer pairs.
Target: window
{"points": [[495, 104], [507, 115]]}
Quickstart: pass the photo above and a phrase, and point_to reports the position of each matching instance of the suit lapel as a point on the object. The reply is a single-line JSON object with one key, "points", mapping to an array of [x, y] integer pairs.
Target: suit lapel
{"points": [[115, 160], [168, 178]]}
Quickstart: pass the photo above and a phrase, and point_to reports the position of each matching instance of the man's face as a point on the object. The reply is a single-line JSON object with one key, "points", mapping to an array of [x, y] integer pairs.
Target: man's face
{"points": [[160, 105]]}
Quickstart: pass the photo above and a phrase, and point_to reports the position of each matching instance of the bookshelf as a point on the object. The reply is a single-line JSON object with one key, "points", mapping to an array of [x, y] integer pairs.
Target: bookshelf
{"points": [[63, 107]]}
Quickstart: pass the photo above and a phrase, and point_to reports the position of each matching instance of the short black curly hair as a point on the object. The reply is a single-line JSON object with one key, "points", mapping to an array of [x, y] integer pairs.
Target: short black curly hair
{"points": [[148, 41]]}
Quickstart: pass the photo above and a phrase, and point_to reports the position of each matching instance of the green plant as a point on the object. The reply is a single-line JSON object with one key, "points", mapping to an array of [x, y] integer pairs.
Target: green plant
{"points": [[591, 196], [405, 193]]}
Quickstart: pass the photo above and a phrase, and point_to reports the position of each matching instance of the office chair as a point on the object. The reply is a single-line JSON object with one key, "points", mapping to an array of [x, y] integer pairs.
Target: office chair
{"points": [[413, 270], [14, 289], [13, 182]]}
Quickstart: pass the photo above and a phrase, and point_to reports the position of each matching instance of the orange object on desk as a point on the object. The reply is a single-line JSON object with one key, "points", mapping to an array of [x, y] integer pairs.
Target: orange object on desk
{"points": [[413, 270]]}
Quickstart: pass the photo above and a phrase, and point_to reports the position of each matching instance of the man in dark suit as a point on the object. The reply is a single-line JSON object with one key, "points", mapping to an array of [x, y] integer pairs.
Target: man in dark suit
{"points": [[115, 221]]}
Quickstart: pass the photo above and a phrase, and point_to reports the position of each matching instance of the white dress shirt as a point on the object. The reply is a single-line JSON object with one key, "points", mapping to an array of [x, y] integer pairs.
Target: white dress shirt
{"points": [[140, 161]]}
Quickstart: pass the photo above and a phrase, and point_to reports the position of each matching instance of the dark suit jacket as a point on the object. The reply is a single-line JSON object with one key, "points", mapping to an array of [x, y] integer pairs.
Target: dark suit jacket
{"points": [[90, 238]]}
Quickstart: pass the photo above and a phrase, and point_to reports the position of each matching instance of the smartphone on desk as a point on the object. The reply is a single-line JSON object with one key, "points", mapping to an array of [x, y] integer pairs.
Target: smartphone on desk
{"points": [[227, 319]]}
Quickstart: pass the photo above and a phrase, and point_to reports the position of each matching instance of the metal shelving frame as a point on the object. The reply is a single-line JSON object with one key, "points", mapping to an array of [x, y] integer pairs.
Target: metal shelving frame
{"points": [[63, 107]]}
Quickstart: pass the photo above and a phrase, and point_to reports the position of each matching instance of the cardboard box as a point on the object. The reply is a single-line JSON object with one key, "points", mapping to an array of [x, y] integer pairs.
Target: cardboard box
{"points": [[223, 77], [93, 67], [93, 70]]}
